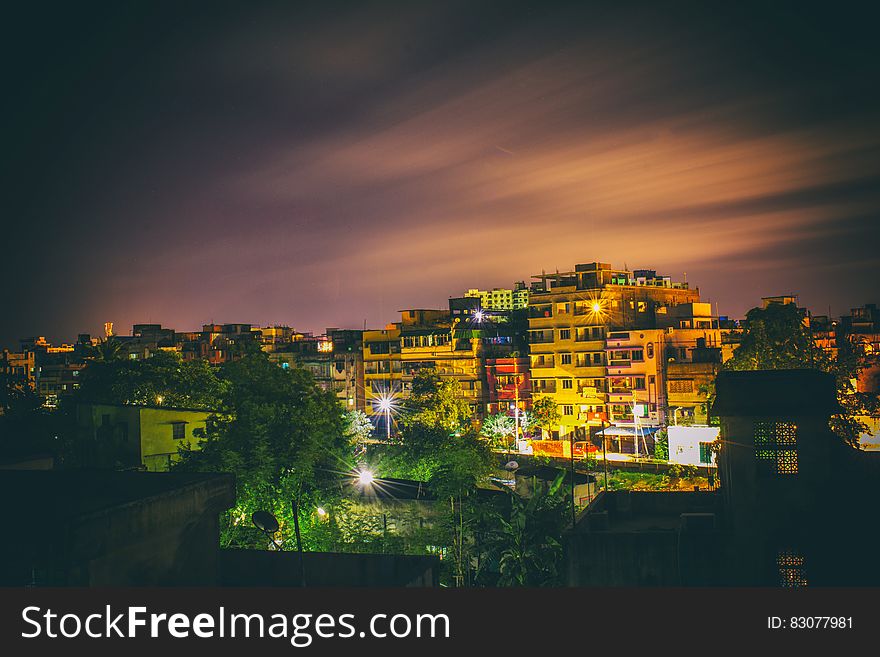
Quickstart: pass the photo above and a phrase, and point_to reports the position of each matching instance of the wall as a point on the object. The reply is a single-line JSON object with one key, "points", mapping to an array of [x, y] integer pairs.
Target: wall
{"points": [[684, 443]]}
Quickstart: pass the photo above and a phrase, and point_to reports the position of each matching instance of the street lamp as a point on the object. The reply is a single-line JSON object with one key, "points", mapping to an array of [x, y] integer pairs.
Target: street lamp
{"points": [[386, 403], [365, 478]]}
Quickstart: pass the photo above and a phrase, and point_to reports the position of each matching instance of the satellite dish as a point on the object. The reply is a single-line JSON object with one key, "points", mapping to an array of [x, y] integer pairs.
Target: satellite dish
{"points": [[511, 465], [265, 521]]}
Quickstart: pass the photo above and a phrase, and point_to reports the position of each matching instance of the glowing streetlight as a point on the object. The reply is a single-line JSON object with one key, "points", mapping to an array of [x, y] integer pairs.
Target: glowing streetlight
{"points": [[479, 316], [385, 404], [596, 307], [321, 511], [365, 478]]}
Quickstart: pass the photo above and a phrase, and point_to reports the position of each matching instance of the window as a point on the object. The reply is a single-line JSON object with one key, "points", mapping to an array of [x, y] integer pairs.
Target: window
{"points": [[792, 573], [706, 452], [776, 447], [567, 384], [638, 354], [563, 308], [638, 383], [683, 352], [565, 359], [565, 334], [178, 430], [684, 386], [643, 306], [650, 349], [597, 332], [597, 358], [568, 409]]}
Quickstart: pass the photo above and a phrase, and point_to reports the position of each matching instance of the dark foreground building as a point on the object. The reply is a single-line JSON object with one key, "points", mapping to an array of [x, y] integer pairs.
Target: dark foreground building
{"points": [[795, 508], [106, 528]]}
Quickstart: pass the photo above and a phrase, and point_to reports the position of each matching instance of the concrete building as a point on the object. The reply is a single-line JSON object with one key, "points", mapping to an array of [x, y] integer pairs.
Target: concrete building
{"points": [[691, 445], [508, 385], [100, 528], [572, 318], [136, 437], [795, 507], [502, 298]]}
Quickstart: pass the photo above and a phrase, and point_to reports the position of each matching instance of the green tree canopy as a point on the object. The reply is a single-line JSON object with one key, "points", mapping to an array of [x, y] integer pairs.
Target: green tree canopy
{"points": [[545, 413], [435, 402], [282, 436], [164, 379], [777, 337]]}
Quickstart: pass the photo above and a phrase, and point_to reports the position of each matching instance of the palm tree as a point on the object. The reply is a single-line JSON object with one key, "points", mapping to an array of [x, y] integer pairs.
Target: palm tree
{"points": [[106, 351]]}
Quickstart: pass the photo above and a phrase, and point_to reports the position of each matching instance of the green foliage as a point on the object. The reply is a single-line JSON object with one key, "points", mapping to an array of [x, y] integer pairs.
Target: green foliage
{"points": [[284, 439], [106, 350], [435, 403], [523, 546], [776, 337], [498, 428], [162, 380], [357, 426], [545, 413], [661, 445], [25, 426]]}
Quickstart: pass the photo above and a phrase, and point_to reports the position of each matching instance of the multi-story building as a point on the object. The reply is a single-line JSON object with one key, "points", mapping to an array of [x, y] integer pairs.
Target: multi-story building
{"points": [[452, 345], [347, 373], [136, 437], [570, 316], [382, 371], [508, 385], [430, 339], [862, 329], [502, 298]]}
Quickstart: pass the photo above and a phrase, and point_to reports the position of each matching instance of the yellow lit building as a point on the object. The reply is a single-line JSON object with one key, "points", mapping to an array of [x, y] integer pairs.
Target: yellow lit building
{"points": [[423, 339], [142, 437], [572, 316]]}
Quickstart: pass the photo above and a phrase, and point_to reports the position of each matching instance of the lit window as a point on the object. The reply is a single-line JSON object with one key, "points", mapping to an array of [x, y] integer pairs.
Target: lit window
{"points": [[776, 446], [567, 384], [565, 359], [792, 573]]}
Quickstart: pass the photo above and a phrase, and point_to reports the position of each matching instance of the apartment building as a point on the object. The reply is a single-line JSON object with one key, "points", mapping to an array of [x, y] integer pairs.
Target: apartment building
{"points": [[572, 317]]}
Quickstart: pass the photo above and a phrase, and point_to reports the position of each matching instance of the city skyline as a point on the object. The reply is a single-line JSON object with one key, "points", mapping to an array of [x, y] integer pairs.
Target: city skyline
{"points": [[328, 167]]}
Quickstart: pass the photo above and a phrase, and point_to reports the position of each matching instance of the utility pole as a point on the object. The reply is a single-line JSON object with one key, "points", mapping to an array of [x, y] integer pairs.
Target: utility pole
{"points": [[604, 455], [571, 473]]}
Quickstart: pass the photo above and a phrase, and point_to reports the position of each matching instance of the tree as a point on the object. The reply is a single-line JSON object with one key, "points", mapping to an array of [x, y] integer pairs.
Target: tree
{"points": [[436, 445], [283, 437], [358, 428], [26, 427], [164, 379], [435, 403], [106, 350], [545, 413], [498, 427], [777, 337], [524, 545], [661, 445]]}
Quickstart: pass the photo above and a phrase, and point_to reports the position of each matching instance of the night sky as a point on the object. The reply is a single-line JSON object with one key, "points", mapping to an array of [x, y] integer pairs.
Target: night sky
{"points": [[329, 164]]}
